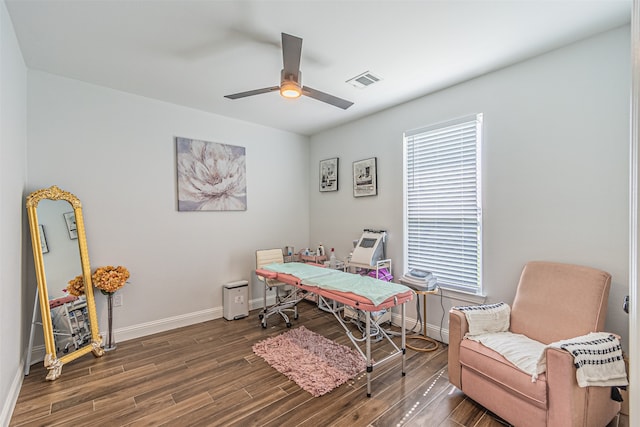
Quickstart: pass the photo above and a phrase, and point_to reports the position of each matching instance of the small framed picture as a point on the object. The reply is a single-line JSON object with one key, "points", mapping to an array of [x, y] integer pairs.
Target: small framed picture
{"points": [[365, 182], [43, 240], [70, 219], [329, 175]]}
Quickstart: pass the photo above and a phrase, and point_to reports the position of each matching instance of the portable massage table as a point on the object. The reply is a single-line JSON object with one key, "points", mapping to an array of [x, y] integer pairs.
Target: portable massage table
{"points": [[359, 292]]}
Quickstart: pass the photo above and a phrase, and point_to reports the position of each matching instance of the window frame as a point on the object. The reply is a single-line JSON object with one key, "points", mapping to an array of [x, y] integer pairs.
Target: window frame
{"points": [[424, 132]]}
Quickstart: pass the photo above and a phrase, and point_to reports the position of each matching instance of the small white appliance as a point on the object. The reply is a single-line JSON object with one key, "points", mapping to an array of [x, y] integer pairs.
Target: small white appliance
{"points": [[370, 248], [235, 296], [419, 280]]}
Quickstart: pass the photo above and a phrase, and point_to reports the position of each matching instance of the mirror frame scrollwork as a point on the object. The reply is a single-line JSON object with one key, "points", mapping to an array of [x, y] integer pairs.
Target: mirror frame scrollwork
{"points": [[51, 361]]}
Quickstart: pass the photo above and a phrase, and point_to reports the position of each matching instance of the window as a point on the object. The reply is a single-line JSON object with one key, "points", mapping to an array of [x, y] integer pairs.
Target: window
{"points": [[443, 215]]}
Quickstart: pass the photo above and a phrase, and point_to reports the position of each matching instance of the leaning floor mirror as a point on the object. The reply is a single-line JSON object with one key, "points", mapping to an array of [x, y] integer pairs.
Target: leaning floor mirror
{"points": [[65, 291]]}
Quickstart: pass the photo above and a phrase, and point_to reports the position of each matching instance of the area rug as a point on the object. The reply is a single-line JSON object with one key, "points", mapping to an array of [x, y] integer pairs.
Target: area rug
{"points": [[315, 363]]}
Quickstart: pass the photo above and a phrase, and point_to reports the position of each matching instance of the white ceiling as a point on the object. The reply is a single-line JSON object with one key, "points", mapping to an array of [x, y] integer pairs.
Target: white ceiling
{"points": [[192, 53]]}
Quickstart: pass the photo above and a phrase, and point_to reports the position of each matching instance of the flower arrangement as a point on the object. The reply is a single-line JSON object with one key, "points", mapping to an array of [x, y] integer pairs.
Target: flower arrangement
{"points": [[109, 279], [76, 286]]}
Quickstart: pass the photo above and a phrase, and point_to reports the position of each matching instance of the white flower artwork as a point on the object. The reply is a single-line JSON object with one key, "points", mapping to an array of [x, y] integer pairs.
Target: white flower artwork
{"points": [[211, 176]]}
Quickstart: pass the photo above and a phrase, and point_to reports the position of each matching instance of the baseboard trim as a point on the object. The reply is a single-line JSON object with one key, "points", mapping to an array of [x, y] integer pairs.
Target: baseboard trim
{"points": [[168, 323], [156, 326], [12, 396], [161, 325], [433, 331]]}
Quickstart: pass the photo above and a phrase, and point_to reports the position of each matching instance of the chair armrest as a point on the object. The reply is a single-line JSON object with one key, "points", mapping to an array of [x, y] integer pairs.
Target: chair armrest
{"points": [[570, 404], [458, 327], [262, 274]]}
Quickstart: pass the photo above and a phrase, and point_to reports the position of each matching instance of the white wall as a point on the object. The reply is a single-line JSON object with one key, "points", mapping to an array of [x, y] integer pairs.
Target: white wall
{"points": [[116, 153], [555, 168], [13, 141]]}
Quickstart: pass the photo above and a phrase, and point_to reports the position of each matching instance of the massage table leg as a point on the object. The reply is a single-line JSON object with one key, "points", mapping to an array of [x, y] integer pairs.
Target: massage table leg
{"points": [[403, 343], [369, 364]]}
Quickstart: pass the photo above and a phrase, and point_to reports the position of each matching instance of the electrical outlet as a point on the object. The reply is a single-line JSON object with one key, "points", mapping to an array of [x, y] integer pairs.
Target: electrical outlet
{"points": [[117, 300]]}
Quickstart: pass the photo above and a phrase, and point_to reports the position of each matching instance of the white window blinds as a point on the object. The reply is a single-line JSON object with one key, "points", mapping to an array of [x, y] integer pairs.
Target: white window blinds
{"points": [[442, 202]]}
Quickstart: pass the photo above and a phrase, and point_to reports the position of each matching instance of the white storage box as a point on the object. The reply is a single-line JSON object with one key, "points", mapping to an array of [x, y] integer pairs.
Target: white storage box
{"points": [[235, 296]]}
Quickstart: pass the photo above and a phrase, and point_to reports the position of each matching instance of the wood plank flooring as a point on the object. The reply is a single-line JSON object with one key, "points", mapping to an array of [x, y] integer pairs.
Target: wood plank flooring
{"points": [[207, 375]]}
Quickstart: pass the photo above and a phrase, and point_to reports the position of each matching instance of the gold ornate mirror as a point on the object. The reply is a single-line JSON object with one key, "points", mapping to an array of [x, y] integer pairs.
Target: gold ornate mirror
{"points": [[69, 321]]}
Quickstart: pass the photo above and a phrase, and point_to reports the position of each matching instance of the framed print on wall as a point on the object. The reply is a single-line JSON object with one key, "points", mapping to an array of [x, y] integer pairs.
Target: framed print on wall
{"points": [[329, 175], [70, 219], [365, 182], [43, 240]]}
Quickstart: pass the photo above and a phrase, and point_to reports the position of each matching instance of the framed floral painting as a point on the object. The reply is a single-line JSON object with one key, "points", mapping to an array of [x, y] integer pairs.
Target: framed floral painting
{"points": [[211, 176]]}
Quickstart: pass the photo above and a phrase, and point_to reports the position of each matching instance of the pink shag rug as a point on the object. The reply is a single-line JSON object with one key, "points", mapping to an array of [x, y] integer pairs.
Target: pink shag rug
{"points": [[315, 363]]}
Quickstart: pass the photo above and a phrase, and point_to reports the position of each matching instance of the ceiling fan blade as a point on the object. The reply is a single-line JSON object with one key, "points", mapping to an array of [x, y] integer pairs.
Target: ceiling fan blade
{"points": [[291, 52], [253, 92], [325, 97]]}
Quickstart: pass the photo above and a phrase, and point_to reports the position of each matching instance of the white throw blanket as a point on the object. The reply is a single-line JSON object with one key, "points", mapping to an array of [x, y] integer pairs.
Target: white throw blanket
{"points": [[597, 356], [516, 348]]}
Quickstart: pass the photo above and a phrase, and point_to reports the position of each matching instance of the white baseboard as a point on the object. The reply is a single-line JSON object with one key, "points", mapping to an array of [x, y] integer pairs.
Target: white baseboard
{"points": [[161, 325], [433, 331], [12, 396], [156, 326], [168, 323]]}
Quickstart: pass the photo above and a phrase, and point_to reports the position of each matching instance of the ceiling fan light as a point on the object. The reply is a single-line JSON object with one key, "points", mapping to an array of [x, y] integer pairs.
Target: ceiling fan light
{"points": [[290, 90]]}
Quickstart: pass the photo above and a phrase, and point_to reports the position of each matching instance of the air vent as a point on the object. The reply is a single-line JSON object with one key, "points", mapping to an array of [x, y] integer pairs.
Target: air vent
{"points": [[363, 80]]}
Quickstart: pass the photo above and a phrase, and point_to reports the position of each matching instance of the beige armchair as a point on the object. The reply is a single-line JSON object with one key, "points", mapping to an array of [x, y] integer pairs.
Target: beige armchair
{"points": [[553, 302]]}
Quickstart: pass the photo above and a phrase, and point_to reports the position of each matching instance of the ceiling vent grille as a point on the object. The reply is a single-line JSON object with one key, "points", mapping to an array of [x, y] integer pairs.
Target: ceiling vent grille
{"points": [[363, 80]]}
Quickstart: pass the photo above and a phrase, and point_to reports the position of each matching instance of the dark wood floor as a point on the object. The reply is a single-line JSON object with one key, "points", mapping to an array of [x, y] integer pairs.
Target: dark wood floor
{"points": [[207, 375]]}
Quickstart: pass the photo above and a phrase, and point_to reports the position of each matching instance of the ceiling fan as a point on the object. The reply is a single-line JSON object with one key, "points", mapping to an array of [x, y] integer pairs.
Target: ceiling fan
{"points": [[291, 78]]}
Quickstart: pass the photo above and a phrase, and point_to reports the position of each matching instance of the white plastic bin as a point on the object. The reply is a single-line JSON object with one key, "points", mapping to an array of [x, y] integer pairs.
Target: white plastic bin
{"points": [[235, 296]]}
